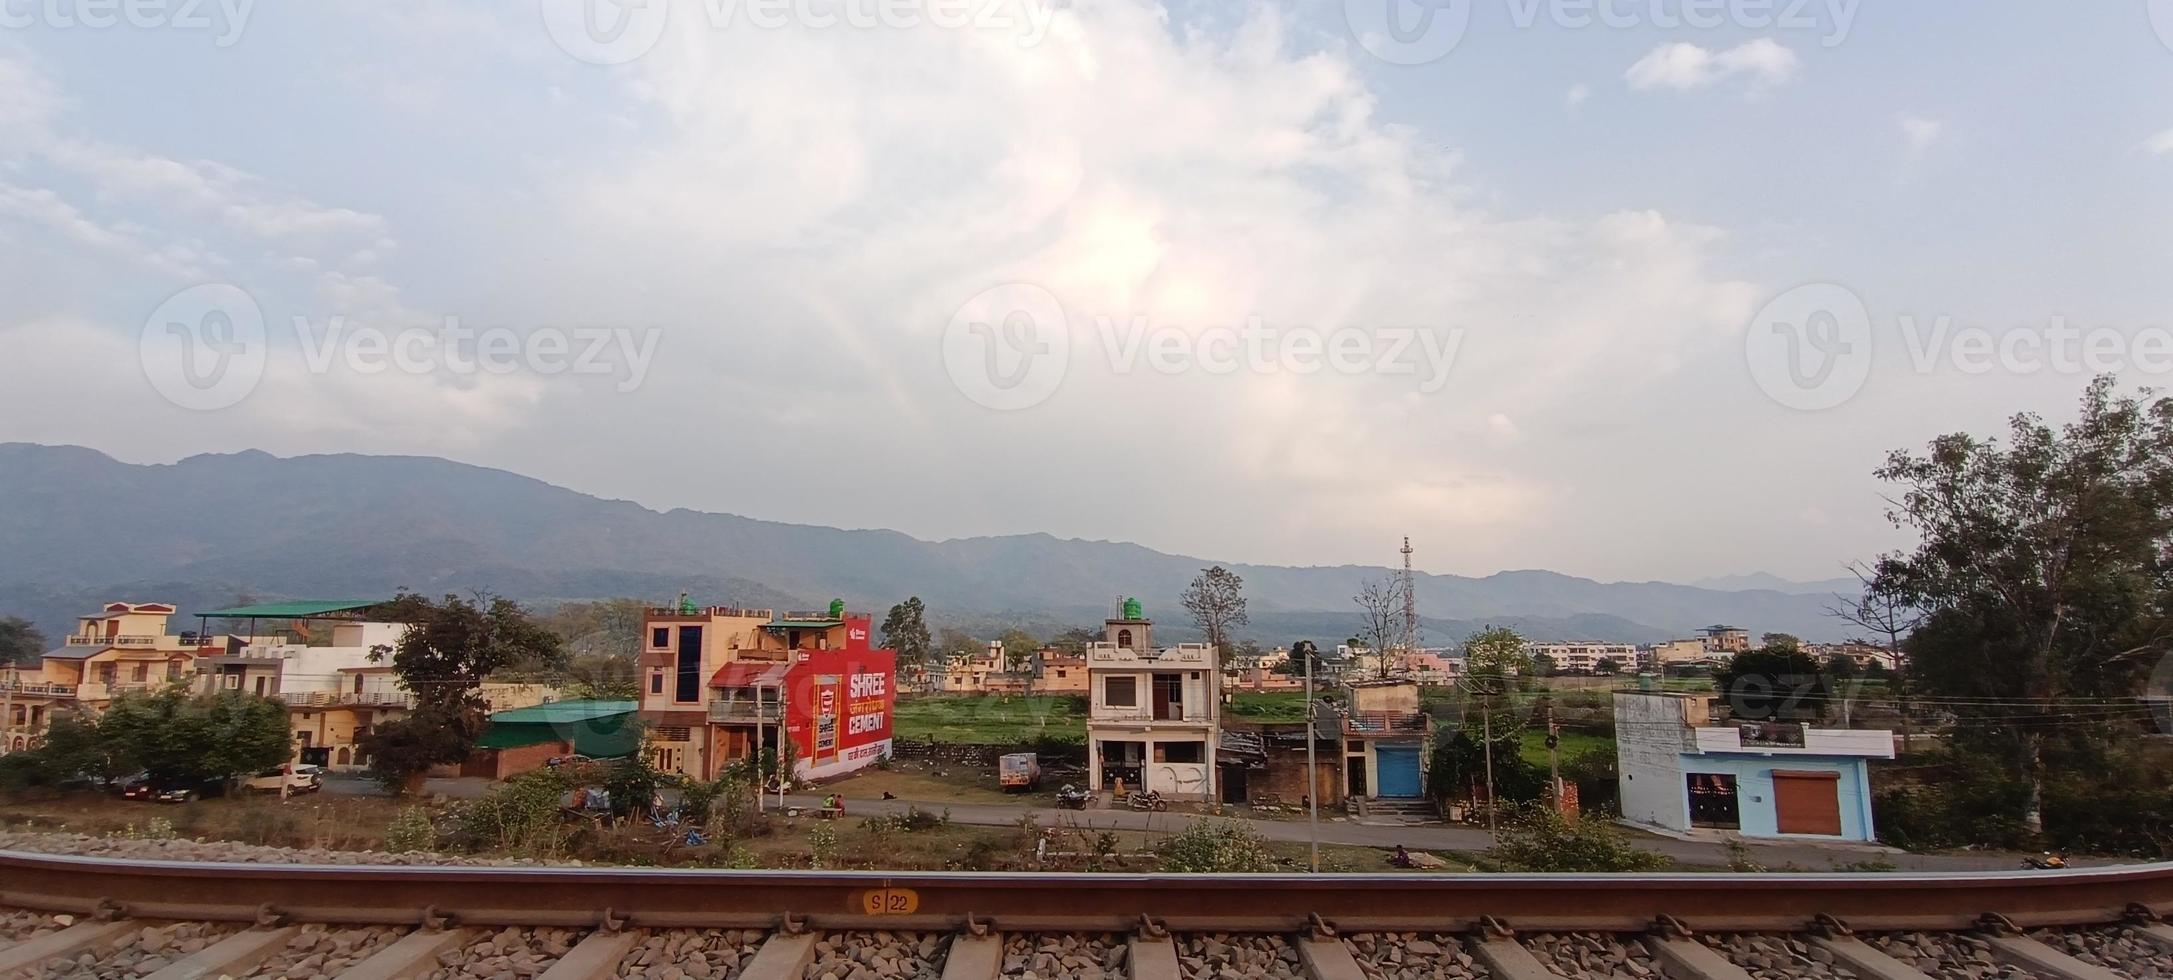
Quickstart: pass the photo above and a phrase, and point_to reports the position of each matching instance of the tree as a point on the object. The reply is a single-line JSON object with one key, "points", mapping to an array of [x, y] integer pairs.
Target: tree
{"points": [[442, 658], [905, 630], [2042, 568], [603, 677], [1491, 656], [1543, 666], [1607, 666], [1216, 600], [172, 734], [1076, 639], [1019, 648], [1380, 610], [1777, 683], [20, 642], [609, 627], [1780, 641], [954, 642]]}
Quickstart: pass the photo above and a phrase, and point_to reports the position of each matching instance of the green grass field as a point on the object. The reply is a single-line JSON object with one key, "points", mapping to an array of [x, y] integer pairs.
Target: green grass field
{"points": [[993, 719], [1534, 747], [1268, 706]]}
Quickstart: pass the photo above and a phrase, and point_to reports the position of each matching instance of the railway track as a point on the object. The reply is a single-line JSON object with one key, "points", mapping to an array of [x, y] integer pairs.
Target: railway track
{"points": [[64, 917]]}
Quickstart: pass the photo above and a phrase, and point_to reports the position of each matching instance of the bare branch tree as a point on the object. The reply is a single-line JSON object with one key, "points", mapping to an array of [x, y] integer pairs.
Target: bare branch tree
{"points": [[1380, 605], [1216, 600]]}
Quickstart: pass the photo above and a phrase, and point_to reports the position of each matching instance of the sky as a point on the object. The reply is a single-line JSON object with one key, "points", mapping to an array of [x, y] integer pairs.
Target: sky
{"points": [[1637, 289]]}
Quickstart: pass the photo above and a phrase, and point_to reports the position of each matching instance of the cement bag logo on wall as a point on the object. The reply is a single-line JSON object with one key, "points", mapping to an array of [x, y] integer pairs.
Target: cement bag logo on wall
{"points": [[826, 714]]}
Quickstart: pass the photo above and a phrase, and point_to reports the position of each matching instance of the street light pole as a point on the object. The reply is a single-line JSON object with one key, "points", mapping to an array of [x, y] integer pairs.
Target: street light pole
{"points": [[1304, 648]]}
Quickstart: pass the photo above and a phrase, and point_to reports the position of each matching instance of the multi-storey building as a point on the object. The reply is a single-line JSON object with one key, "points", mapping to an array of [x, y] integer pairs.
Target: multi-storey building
{"points": [[335, 693], [1681, 771], [1584, 657], [1385, 739], [121, 648], [721, 685], [1679, 652], [1153, 711], [1726, 640]]}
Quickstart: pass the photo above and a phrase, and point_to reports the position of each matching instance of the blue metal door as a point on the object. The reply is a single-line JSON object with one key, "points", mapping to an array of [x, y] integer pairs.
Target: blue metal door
{"points": [[1398, 770]]}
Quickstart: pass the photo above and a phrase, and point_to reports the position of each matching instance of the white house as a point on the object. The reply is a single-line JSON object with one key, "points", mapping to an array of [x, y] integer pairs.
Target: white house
{"points": [[1680, 770], [1153, 711]]}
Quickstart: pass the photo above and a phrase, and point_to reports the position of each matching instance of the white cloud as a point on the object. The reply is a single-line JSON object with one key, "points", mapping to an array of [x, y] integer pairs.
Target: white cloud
{"points": [[2161, 144], [1921, 133], [1683, 66], [1577, 95]]}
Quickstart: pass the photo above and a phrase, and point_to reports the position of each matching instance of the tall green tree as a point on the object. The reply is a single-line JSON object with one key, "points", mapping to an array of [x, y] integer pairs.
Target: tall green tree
{"points": [[1216, 600], [905, 630], [176, 735], [1776, 682], [20, 642], [2043, 567], [447, 650], [1019, 648]]}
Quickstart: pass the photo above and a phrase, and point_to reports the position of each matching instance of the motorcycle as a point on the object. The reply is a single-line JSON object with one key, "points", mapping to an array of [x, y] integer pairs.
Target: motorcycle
{"points": [[2051, 861], [1149, 800], [1071, 798]]}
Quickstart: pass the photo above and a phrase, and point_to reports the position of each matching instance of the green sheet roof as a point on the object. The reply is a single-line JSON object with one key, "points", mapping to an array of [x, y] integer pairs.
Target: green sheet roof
{"points": [[597, 729], [803, 623], [300, 609]]}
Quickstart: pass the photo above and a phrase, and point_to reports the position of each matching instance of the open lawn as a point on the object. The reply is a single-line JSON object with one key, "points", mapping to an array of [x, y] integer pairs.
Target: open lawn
{"points": [[1268, 706], [1572, 744], [991, 718], [920, 781]]}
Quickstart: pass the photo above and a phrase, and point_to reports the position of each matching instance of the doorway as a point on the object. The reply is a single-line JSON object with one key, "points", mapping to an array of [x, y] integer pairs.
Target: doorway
{"points": [[1807, 802], [1712, 800]]}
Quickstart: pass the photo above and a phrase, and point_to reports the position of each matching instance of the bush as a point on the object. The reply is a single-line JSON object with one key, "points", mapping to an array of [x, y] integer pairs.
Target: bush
{"points": [[1536, 838], [1216, 847], [1599, 787], [270, 826], [1977, 801], [519, 816], [411, 830], [822, 846]]}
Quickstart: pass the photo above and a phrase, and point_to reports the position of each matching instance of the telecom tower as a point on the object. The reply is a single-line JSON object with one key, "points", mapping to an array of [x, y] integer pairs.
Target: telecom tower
{"points": [[1410, 610]]}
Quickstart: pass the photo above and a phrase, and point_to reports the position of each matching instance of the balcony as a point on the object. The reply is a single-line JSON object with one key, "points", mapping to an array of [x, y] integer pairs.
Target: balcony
{"points": [[348, 699], [743, 712], [1105, 713], [38, 689], [93, 640], [1377, 723]]}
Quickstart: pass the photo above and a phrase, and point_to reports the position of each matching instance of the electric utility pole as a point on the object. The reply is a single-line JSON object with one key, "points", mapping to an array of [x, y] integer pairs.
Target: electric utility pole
{"points": [[1304, 648]]}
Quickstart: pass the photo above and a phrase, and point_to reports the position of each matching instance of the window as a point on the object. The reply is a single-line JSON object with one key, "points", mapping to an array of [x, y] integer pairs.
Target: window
{"points": [[688, 686], [142, 673], [656, 682], [1121, 692], [262, 684], [1180, 752], [660, 637], [673, 735]]}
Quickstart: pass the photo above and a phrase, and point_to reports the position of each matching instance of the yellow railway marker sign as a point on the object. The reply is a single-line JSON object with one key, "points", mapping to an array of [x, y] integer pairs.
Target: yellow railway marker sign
{"points": [[889, 901]]}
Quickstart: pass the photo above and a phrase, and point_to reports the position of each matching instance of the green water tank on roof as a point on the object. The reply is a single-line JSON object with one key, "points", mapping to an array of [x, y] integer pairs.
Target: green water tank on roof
{"points": [[837, 609], [1131, 609]]}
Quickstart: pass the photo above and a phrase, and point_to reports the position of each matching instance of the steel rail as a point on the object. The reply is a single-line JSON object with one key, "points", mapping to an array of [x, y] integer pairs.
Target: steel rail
{"points": [[666, 898]]}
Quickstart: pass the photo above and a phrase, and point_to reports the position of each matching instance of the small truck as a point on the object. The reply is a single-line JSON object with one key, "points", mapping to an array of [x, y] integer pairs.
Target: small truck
{"points": [[1018, 771]]}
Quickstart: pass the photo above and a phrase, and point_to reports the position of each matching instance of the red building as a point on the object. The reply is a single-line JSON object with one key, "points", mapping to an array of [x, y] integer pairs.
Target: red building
{"points": [[722, 685]]}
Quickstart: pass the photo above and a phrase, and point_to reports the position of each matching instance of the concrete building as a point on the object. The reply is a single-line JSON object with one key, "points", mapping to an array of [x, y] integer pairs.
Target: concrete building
{"points": [[1682, 772], [335, 693], [1726, 641], [1584, 657], [1385, 739], [121, 648], [720, 685], [1153, 711], [1678, 652]]}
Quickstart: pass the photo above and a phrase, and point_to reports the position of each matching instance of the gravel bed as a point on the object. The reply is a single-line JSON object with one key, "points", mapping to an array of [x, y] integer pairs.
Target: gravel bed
{"points": [[20, 925], [879, 956], [1219, 955], [322, 950], [1592, 955], [507, 954], [1946, 956], [1072, 956], [1772, 956], [180, 849], [691, 954], [2112, 947], [1412, 956], [148, 950]]}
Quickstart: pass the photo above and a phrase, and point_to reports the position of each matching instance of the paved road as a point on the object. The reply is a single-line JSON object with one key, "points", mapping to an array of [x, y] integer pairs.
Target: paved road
{"points": [[1808, 856]]}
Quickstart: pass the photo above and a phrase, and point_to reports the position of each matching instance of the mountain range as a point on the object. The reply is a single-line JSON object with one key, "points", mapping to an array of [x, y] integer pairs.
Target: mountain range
{"points": [[78, 528]]}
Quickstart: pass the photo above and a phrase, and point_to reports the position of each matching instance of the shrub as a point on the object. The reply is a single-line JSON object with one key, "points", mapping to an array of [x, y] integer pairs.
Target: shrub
{"points": [[1216, 847], [411, 830], [1537, 838], [518, 816], [270, 826], [822, 846]]}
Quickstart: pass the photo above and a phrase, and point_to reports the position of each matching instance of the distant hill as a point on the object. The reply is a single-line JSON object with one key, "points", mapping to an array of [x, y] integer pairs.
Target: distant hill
{"points": [[1754, 581], [78, 528]]}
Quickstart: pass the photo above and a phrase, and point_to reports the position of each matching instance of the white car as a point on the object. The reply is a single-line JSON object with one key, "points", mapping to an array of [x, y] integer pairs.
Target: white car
{"points": [[298, 779]]}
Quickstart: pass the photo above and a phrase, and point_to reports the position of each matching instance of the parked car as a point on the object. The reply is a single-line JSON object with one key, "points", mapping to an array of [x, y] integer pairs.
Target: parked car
{"points": [[181, 790], [137, 788], [295, 778]]}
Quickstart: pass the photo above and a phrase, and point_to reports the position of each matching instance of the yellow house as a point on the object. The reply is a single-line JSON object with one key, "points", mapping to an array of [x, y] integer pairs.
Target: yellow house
{"points": [[122, 647]]}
